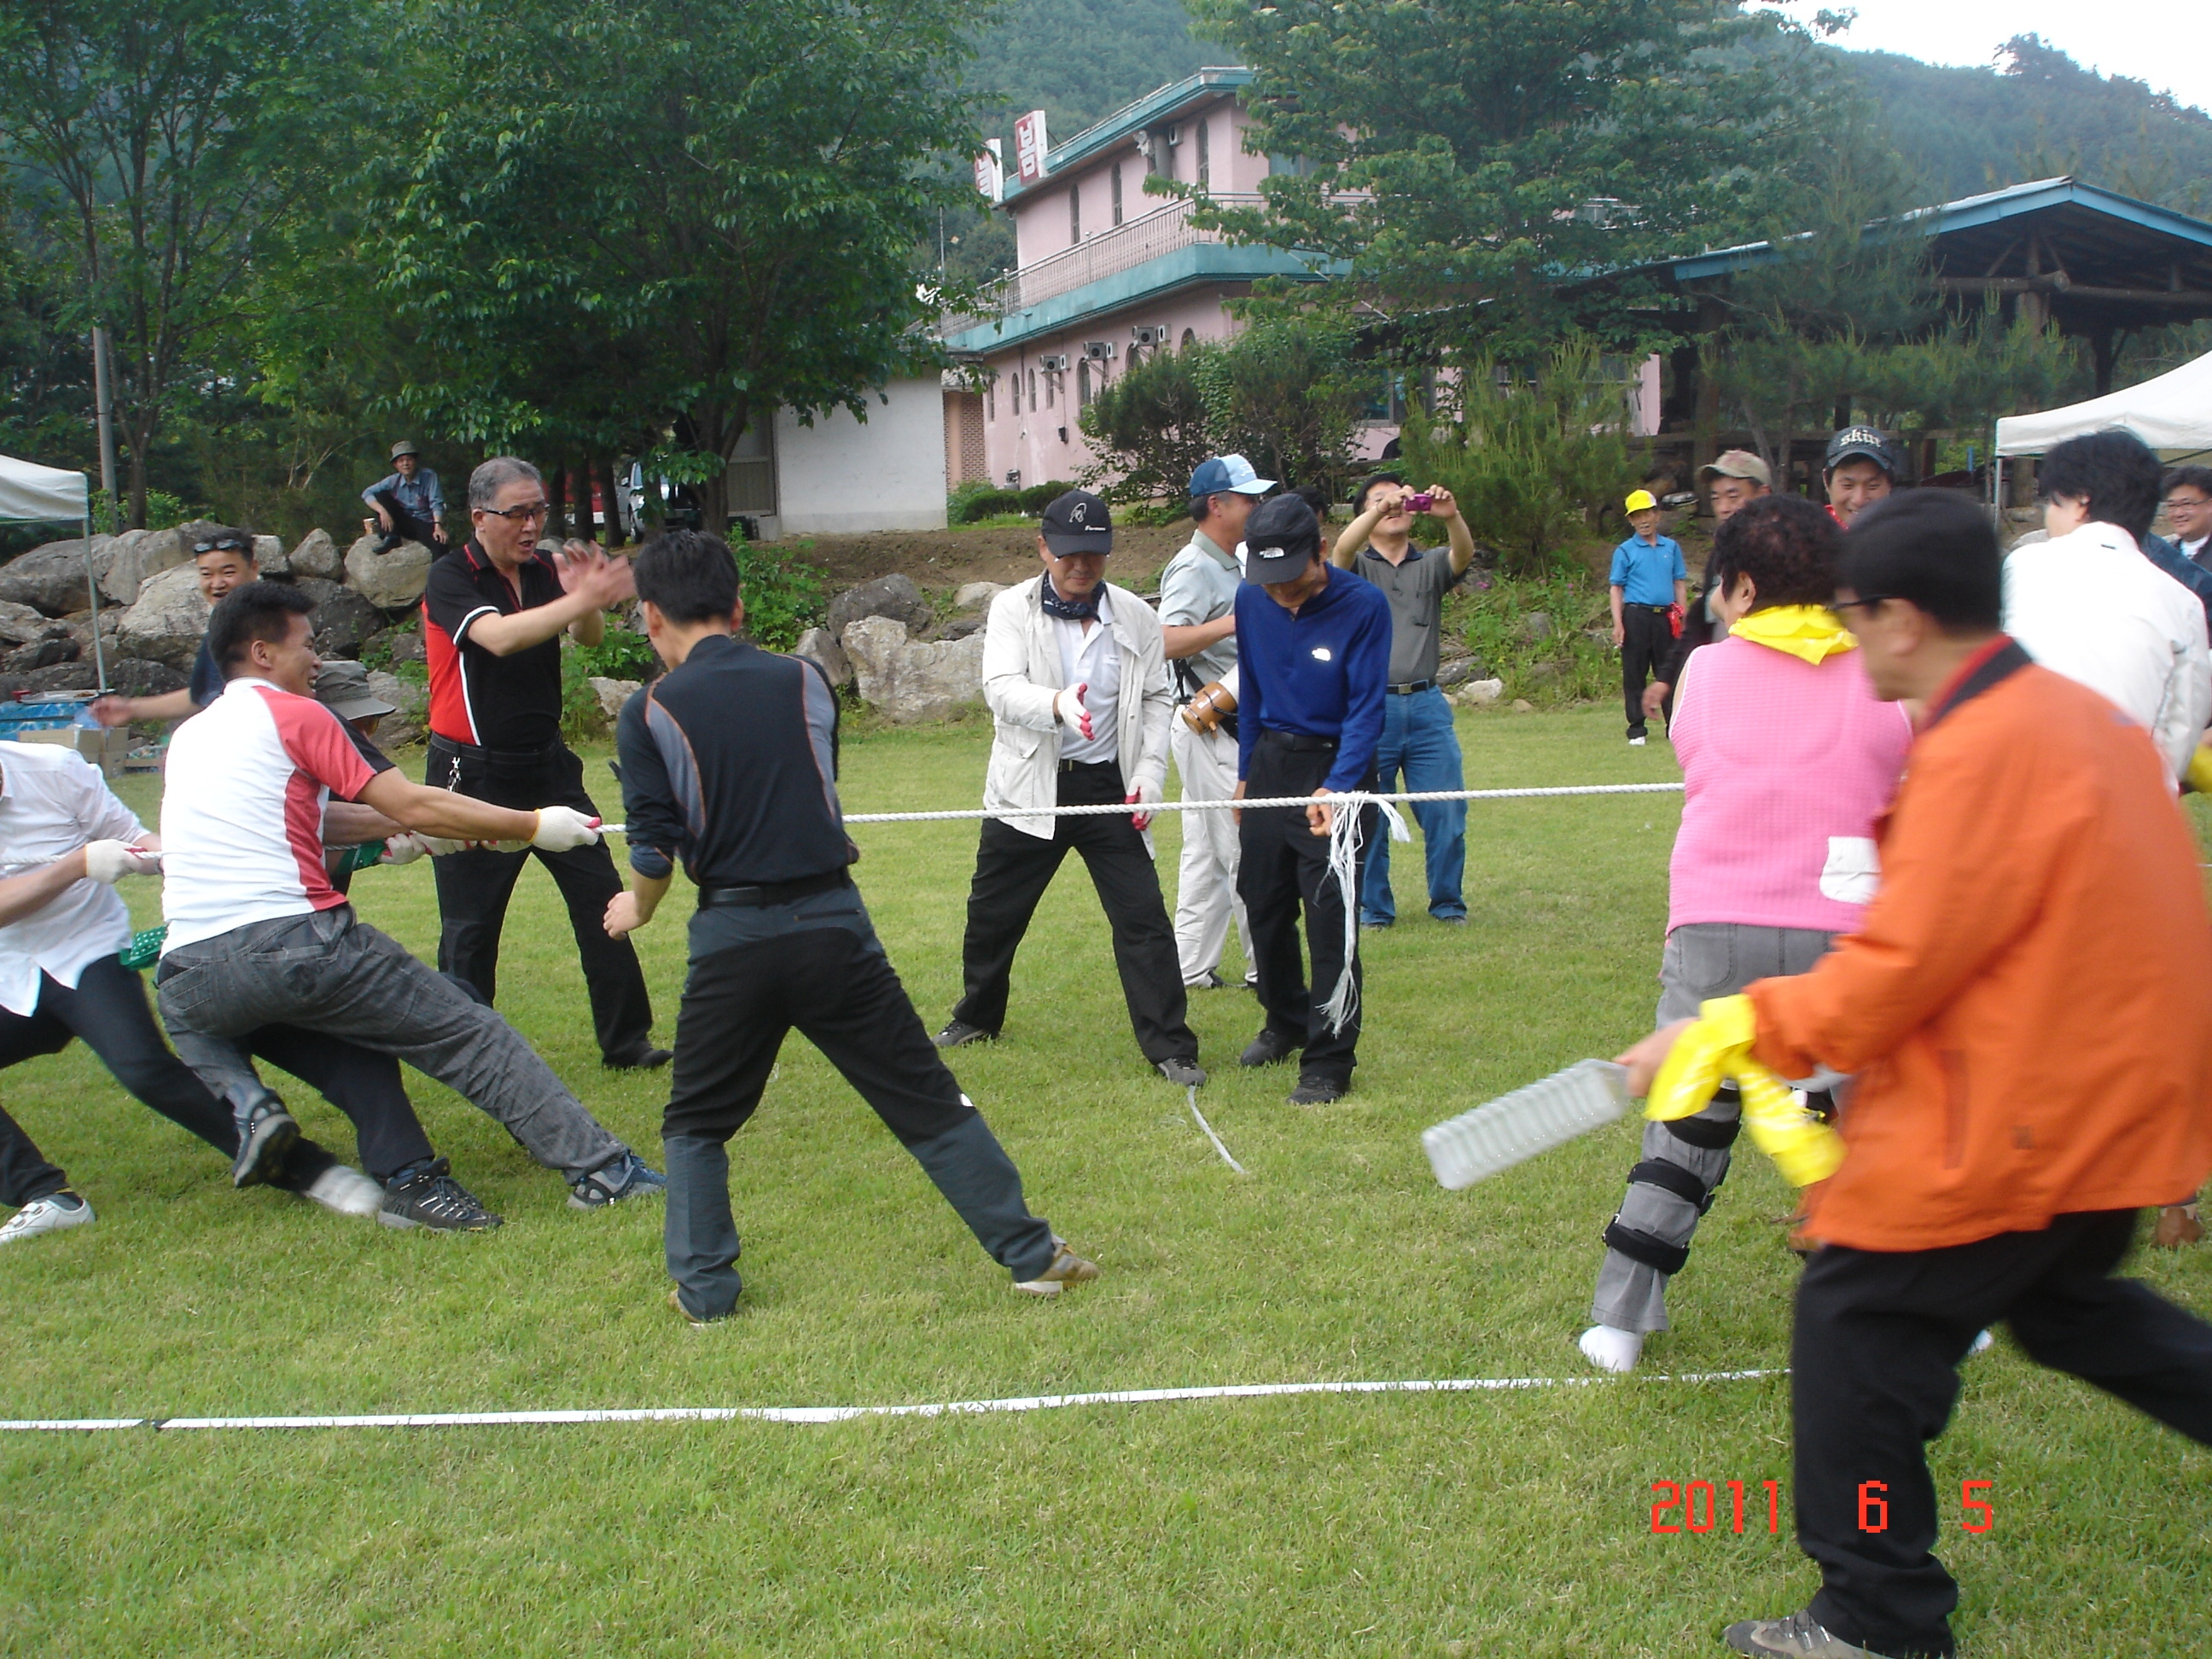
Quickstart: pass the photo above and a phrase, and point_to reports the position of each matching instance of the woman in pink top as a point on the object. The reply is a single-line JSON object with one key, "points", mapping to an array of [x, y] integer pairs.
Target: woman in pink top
{"points": [[1787, 759]]}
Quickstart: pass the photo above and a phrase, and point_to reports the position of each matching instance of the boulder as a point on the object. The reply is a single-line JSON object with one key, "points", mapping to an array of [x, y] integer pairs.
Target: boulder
{"points": [[165, 624], [1522, 706], [135, 676], [317, 555], [960, 628], [1475, 694], [50, 578], [413, 702], [406, 645], [977, 596], [1456, 672], [129, 559], [1543, 673], [612, 695], [41, 654], [344, 621], [1538, 625], [78, 676], [818, 645], [20, 624], [268, 556], [391, 580], [893, 596], [911, 681]]}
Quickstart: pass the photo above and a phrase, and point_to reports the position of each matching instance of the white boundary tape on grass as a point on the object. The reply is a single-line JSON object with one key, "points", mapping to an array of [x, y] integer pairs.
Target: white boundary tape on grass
{"points": [[1038, 1402], [1211, 1136]]}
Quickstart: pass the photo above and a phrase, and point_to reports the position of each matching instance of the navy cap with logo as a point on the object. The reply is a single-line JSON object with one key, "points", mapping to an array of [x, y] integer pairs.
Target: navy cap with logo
{"points": [[1078, 522], [1855, 441], [1281, 538]]}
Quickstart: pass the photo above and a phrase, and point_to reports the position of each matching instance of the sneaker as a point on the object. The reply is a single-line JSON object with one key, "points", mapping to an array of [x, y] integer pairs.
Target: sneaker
{"points": [[676, 1301], [958, 1034], [49, 1214], [626, 1177], [1981, 1343], [645, 1059], [1318, 1091], [1183, 1073], [2178, 1224], [1638, 743], [1268, 1048], [1067, 1268], [1376, 924], [347, 1191], [1208, 981], [427, 1196], [1801, 1636], [266, 1134], [1451, 921]]}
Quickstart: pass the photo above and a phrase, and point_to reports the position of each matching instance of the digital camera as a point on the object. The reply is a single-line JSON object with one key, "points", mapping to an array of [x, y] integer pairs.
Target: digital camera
{"points": [[1421, 503]]}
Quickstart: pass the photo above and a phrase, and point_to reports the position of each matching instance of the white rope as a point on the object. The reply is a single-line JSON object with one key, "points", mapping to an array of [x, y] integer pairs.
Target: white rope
{"points": [[1192, 1094], [1040, 1402]]}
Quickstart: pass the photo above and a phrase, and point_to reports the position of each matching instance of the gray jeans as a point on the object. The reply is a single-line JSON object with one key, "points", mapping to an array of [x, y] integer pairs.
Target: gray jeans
{"points": [[329, 972], [1657, 1217]]}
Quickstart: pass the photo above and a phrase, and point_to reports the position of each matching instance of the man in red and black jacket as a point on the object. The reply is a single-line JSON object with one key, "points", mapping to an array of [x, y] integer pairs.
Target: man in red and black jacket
{"points": [[493, 614]]}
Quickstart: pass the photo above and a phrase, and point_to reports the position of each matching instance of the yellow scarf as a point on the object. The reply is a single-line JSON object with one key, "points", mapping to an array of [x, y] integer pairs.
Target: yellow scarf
{"points": [[1718, 1045], [1812, 632]]}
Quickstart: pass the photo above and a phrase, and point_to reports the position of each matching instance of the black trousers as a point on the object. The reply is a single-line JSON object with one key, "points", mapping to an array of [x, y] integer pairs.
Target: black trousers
{"points": [[406, 526], [1282, 871], [1643, 653], [474, 887], [1873, 1375], [1012, 871], [108, 1010]]}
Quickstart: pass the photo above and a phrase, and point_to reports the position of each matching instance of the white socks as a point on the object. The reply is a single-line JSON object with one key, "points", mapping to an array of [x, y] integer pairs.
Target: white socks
{"points": [[1611, 1350]]}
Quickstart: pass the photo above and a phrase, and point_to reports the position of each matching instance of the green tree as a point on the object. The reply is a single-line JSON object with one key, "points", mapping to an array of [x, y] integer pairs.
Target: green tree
{"points": [[1148, 428], [1286, 393], [617, 224]]}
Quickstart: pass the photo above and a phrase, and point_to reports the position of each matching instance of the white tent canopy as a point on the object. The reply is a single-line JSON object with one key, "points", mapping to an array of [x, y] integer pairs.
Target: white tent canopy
{"points": [[29, 491], [2173, 414]]}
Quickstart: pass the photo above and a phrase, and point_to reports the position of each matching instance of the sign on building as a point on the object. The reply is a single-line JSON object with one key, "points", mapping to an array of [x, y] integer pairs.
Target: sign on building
{"points": [[991, 171], [1030, 147]]}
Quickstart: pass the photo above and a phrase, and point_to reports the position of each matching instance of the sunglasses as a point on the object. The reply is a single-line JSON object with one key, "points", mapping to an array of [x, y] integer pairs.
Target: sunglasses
{"points": [[519, 515], [225, 544]]}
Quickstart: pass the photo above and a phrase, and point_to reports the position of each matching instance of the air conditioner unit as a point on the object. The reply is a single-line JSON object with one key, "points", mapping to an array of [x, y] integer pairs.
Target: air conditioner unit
{"points": [[1098, 351], [1053, 365], [1146, 337]]}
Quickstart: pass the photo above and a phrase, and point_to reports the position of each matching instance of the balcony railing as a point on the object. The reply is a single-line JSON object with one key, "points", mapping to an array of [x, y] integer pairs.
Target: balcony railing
{"points": [[1132, 243]]}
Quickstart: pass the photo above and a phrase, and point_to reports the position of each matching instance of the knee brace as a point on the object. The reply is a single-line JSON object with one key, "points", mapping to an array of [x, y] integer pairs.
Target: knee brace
{"points": [[1710, 1135], [1642, 1247]]}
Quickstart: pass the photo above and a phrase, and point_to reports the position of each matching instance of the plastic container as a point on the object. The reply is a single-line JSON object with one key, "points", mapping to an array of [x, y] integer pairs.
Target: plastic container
{"points": [[1515, 1128]]}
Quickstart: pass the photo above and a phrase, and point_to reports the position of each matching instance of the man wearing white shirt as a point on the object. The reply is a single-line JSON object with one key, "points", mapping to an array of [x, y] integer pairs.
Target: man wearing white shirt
{"points": [[1073, 673], [2087, 604], [2189, 506]]}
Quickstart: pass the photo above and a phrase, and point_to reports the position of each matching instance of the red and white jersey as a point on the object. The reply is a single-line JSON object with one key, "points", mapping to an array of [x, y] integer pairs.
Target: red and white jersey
{"points": [[242, 811]]}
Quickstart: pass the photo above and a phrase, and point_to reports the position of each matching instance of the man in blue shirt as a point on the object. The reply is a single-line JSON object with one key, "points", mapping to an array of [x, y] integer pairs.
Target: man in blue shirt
{"points": [[409, 503], [1649, 582], [1314, 654]]}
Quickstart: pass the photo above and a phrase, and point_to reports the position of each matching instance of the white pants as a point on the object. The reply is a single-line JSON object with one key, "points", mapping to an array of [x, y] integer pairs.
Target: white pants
{"points": [[1206, 888]]}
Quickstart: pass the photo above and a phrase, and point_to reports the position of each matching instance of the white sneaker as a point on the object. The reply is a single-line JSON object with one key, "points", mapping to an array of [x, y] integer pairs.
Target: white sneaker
{"points": [[46, 1215], [1612, 1350], [347, 1191], [1636, 742], [1981, 1343]]}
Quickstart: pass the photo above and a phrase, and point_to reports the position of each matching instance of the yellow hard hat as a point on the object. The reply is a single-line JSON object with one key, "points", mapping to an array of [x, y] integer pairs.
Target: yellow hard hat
{"points": [[1642, 501]]}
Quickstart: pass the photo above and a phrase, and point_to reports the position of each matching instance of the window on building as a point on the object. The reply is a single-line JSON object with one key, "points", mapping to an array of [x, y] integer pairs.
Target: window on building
{"points": [[1083, 384], [1074, 216], [1033, 391], [991, 398], [1189, 338], [1050, 377], [1204, 155], [1114, 193]]}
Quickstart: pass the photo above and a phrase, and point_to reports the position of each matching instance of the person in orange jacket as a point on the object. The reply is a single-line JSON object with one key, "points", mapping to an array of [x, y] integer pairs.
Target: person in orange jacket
{"points": [[2028, 1005]]}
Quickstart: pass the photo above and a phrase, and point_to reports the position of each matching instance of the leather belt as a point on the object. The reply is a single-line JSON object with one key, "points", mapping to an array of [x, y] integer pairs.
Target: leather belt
{"points": [[773, 892], [1298, 743], [1409, 687], [1090, 765], [455, 747]]}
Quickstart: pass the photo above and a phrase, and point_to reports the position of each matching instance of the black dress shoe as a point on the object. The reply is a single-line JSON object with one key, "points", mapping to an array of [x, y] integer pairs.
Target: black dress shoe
{"points": [[959, 1034], [1270, 1048], [645, 1059], [1318, 1091]]}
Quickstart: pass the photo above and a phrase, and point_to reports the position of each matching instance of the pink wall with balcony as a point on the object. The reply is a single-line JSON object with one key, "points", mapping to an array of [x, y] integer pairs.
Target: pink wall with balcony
{"points": [[1043, 223]]}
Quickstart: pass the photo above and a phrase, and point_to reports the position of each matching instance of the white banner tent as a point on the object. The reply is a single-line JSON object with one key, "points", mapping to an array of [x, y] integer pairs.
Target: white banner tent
{"points": [[2173, 414], [31, 494]]}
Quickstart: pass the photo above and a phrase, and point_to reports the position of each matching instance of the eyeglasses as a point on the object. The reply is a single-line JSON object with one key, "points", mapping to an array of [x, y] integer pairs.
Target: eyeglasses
{"points": [[1869, 601], [520, 515]]}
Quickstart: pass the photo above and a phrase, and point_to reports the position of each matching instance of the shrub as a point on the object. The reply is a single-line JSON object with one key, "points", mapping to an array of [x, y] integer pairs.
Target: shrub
{"points": [[1037, 497], [1148, 428], [980, 499]]}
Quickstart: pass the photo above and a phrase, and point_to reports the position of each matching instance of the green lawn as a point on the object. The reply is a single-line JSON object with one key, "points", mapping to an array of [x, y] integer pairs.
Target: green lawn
{"points": [[1494, 1523]]}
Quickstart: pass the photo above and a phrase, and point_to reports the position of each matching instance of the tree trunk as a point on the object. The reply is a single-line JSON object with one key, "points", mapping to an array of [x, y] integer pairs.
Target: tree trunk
{"points": [[608, 485], [556, 492]]}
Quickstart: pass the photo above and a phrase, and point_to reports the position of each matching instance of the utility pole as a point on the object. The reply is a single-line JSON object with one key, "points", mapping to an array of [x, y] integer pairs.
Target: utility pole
{"points": [[103, 400]]}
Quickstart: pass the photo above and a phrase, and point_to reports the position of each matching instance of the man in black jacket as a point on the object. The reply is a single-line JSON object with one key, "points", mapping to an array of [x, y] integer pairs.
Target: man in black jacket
{"points": [[729, 763], [1733, 480]]}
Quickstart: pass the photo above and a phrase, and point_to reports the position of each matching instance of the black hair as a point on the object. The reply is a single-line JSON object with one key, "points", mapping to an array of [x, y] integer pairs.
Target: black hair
{"points": [[250, 612], [1785, 545], [1359, 491], [691, 575], [1315, 497], [2198, 478], [224, 538], [2115, 471], [1934, 548], [1199, 507]]}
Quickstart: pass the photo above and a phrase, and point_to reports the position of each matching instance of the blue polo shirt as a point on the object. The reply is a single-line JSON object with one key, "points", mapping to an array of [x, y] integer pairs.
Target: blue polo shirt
{"points": [[1646, 572], [1319, 673]]}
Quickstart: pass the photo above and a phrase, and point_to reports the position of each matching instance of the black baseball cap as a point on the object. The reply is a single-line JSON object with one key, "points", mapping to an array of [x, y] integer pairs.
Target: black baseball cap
{"points": [[1078, 522], [1281, 538], [1854, 442]]}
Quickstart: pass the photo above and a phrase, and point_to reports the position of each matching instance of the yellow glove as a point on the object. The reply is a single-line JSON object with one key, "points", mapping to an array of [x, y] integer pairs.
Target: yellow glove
{"points": [[2199, 777], [1718, 1046]]}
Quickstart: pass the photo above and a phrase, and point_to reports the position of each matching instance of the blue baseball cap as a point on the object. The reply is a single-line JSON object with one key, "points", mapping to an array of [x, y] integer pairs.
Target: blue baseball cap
{"points": [[1225, 473]]}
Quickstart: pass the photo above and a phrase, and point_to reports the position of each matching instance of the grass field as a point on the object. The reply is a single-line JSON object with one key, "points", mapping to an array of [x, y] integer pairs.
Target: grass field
{"points": [[1506, 1523]]}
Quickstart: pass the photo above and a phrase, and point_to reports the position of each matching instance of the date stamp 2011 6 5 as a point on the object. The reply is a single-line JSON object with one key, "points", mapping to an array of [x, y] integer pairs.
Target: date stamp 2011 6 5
{"points": [[1699, 1506]]}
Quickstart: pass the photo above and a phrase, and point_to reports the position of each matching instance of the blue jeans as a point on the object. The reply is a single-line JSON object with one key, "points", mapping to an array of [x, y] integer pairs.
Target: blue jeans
{"points": [[1419, 741]]}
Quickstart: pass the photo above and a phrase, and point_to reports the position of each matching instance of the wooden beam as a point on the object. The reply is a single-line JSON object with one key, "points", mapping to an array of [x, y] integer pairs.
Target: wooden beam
{"points": [[2149, 296]]}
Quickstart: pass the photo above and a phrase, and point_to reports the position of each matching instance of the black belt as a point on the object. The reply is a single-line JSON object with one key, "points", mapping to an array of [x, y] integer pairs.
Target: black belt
{"points": [[1090, 765], [453, 746], [773, 892], [1409, 687], [1296, 742]]}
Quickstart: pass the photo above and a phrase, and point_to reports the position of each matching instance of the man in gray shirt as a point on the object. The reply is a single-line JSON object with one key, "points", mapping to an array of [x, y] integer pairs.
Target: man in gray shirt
{"points": [[1198, 618], [1417, 736]]}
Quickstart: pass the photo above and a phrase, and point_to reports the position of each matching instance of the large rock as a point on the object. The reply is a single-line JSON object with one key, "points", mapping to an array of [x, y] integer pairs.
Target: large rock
{"points": [[135, 678], [1477, 693], [911, 681], [345, 622], [268, 556], [819, 644], [612, 695], [50, 578], [977, 596], [393, 581], [58, 646], [166, 623], [893, 596], [126, 562], [413, 702], [20, 624], [317, 555], [406, 645]]}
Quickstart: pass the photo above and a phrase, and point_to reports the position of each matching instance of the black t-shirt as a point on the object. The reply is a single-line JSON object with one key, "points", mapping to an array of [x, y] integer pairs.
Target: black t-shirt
{"points": [[207, 678], [495, 702]]}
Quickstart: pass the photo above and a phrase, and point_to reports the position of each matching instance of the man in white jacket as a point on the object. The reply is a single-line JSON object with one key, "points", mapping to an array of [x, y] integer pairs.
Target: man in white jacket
{"points": [[1075, 678], [2087, 604]]}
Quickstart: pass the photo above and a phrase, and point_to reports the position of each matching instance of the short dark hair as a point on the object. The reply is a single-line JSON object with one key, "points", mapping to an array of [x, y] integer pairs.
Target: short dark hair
{"points": [[2198, 478], [1359, 490], [253, 610], [222, 538], [2115, 471], [1937, 550], [691, 575], [1785, 545]]}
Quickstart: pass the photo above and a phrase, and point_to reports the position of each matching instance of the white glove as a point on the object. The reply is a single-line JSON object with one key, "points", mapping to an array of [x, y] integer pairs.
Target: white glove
{"points": [[402, 849], [563, 828], [108, 861], [438, 846], [1144, 794], [1068, 707]]}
